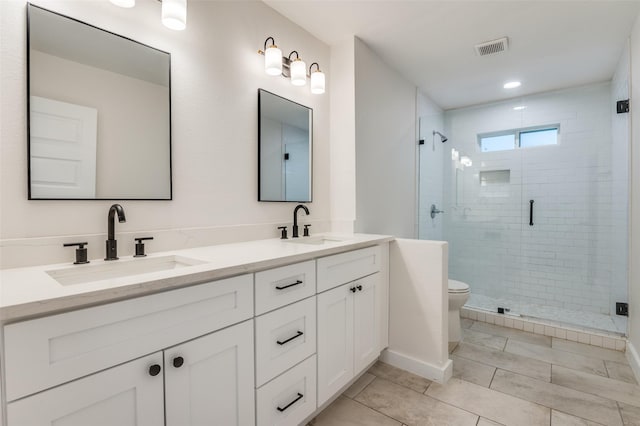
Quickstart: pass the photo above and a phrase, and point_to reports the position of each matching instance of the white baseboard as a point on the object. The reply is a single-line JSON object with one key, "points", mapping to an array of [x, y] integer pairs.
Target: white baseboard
{"points": [[634, 359], [439, 374]]}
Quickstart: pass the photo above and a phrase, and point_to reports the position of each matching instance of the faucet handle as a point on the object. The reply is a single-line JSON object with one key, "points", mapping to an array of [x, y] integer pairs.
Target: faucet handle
{"points": [[306, 231], [140, 246], [283, 235], [81, 252]]}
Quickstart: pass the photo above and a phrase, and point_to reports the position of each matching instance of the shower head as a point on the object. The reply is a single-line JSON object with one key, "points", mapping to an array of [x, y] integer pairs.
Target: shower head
{"points": [[443, 138]]}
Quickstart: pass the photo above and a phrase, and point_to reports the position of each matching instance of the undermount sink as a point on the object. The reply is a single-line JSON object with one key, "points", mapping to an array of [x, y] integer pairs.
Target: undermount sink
{"points": [[315, 240], [82, 274]]}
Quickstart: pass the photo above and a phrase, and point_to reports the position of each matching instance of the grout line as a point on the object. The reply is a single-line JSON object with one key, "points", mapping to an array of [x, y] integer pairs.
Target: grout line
{"points": [[379, 412], [492, 377]]}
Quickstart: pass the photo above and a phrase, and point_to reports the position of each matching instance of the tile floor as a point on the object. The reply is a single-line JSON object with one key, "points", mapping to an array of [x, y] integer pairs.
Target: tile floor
{"points": [[501, 376]]}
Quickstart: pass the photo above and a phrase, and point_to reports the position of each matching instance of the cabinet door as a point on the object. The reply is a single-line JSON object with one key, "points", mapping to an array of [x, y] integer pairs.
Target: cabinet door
{"points": [[335, 341], [366, 321], [209, 380], [126, 395]]}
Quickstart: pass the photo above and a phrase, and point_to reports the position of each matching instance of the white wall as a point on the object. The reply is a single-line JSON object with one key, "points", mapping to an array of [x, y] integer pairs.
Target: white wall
{"points": [[634, 270], [565, 259], [215, 76], [430, 168], [385, 147], [343, 136], [418, 308]]}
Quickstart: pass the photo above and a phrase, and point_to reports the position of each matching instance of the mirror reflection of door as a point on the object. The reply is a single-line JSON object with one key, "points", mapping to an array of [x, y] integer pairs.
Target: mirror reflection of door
{"points": [[63, 149]]}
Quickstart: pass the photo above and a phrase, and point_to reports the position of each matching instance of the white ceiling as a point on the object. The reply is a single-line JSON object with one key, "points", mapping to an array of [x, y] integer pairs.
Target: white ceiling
{"points": [[552, 44]]}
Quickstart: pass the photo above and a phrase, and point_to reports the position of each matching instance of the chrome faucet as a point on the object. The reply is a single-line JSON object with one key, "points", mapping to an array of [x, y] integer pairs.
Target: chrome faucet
{"points": [[295, 218], [112, 244]]}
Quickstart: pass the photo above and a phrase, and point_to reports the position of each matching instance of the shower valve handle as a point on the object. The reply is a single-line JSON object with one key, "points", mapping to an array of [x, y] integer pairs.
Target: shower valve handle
{"points": [[435, 211]]}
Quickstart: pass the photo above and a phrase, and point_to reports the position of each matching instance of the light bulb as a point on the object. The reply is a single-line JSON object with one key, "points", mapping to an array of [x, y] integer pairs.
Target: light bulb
{"points": [[273, 60], [317, 82], [298, 72], [512, 85], [174, 14]]}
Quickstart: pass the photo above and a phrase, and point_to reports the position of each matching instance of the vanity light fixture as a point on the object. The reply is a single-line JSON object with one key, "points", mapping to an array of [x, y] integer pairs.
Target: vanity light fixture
{"points": [[512, 84], [317, 79], [124, 3], [291, 67], [174, 14], [272, 58], [298, 70]]}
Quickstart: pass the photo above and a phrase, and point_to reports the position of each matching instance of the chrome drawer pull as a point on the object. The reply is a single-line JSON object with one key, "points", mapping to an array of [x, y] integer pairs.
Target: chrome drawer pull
{"points": [[289, 285], [291, 403], [300, 333]]}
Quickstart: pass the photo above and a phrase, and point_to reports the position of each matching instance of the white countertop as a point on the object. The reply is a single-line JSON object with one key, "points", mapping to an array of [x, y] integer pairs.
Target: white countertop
{"points": [[29, 292]]}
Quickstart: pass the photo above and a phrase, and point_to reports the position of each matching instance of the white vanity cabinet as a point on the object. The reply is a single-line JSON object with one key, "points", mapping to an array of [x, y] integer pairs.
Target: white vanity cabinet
{"points": [[350, 318], [201, 382], [116, 364], [267, 348]]}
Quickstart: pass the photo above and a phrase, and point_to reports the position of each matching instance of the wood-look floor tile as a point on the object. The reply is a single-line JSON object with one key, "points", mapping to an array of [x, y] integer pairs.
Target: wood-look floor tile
{"points": [[563, 419], [412, 408], [359, 385], [490, 404], [512, 333], [346, 412], [483, 339], [558, 397], [619, 371], [504, 360], [588, 350], [630, 414], [471, 371], [400, 377], [596, 385], [558, 357]]}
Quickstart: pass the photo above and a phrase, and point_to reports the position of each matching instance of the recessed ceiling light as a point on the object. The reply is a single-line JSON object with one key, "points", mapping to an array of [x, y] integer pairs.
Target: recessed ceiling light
{"points": [[512, 85], [519, 108]]}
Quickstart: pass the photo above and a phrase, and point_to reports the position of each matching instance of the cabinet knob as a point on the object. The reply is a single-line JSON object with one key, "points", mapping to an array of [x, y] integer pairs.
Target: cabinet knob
{"points": [[178, 361], [359, 287], [353, 289], [154, 370]]}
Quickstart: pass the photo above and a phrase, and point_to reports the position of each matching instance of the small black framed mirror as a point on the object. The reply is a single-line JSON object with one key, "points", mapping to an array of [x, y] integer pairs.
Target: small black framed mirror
{"points": [[285, 149]]}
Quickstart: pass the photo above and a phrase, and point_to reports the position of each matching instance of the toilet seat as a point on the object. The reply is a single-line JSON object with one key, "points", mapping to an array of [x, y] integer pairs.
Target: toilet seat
{"points": [[458, 287]]}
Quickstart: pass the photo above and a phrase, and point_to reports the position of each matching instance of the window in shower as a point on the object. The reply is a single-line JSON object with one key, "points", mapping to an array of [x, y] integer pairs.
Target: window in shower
{"points": [[523, 138]]}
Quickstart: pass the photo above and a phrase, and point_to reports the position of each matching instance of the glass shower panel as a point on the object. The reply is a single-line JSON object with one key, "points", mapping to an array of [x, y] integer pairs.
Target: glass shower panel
{"points": [[483, 193]]}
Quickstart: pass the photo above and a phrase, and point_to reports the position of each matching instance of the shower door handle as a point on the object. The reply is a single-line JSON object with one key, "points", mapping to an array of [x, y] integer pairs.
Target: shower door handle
{"points": [[530, 212]]}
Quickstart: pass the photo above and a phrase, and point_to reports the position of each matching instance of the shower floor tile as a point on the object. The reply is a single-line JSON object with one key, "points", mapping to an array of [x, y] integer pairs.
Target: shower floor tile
{"points": [[550, 314]]}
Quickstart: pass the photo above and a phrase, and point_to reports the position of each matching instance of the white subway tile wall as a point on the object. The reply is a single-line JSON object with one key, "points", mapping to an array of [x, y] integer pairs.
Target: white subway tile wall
{"points": [[574, 256]]}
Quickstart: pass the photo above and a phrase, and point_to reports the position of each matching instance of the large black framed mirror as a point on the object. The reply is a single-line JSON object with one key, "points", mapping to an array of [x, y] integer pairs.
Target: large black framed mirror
{"points": [[99, 113], [285, 149]]}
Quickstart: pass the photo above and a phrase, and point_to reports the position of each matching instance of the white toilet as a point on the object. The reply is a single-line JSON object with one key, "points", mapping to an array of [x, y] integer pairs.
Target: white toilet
{"points": [[458, 296]]}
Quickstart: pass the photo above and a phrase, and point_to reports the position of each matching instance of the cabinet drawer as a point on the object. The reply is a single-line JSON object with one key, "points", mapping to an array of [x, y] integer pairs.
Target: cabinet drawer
{"points": [[288, 399], [282, 286], [342, 268], [45, 352], [284, 338]]}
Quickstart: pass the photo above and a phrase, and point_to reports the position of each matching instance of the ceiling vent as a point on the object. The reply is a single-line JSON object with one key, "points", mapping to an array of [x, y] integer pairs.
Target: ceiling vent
{"points": [[493, 46]]}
